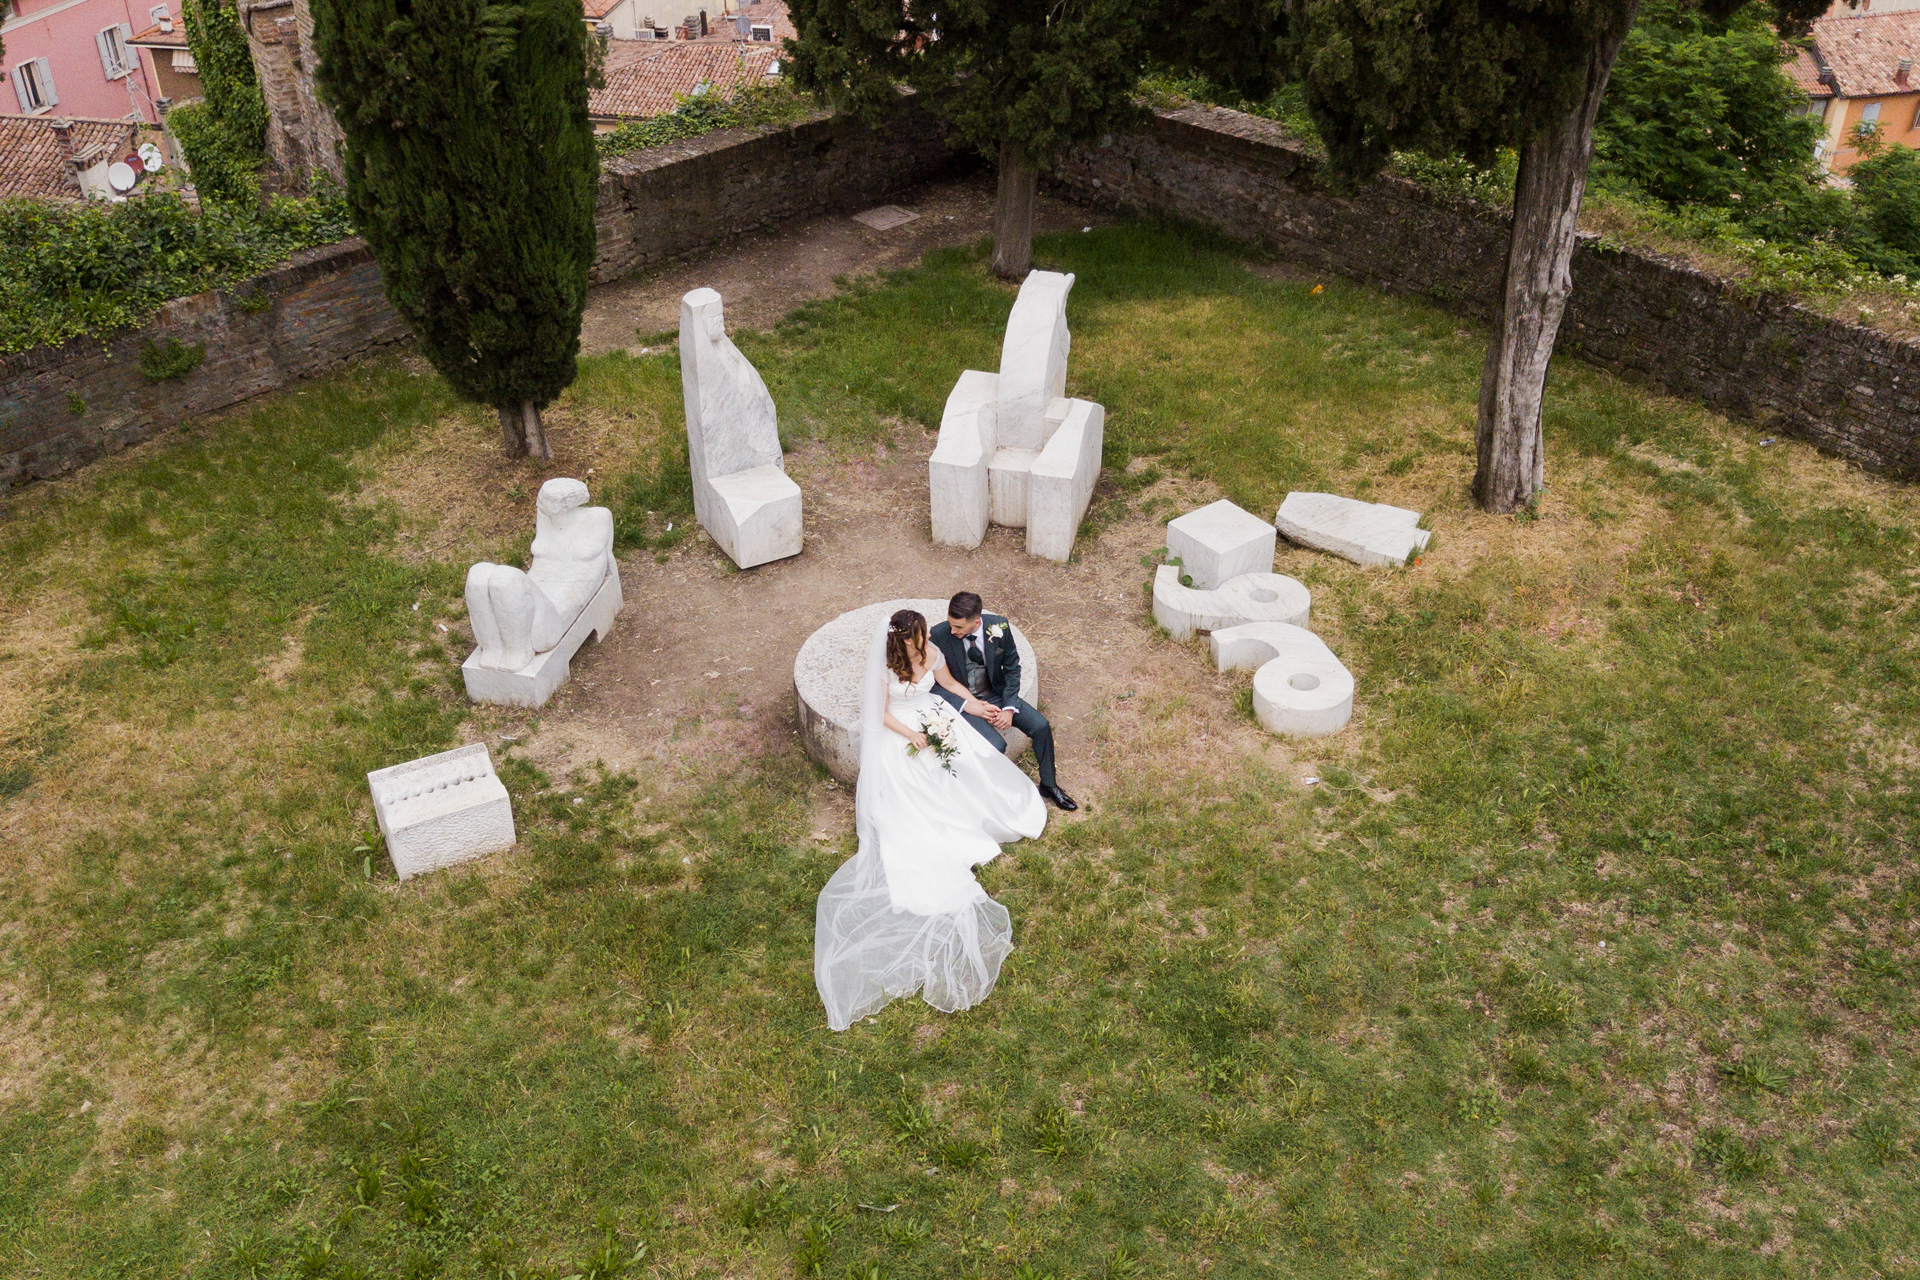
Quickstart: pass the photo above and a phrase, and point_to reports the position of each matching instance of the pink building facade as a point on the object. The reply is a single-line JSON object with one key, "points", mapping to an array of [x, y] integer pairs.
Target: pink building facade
{"points": [[72, 58]]}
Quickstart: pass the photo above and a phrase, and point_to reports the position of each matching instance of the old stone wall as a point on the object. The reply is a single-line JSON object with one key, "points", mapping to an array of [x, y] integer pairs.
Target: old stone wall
{"points": [[1847, 389], [61, 407]]}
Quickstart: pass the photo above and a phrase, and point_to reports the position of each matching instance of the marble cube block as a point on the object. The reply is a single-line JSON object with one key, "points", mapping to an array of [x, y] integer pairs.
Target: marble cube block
{"points": [[1060, 482], [1220, 542], [957, 471], [755, 516], [441, 809], [1369, 533]]}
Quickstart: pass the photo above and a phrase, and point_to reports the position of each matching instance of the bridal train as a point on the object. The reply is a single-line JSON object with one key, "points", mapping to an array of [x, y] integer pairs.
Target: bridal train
{"points": [[905, 913]]}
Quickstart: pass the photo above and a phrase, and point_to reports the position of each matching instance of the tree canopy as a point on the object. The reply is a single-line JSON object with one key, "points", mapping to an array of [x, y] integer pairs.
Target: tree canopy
{"points": [[471, 171], [1700, 112], [1040, 77]]}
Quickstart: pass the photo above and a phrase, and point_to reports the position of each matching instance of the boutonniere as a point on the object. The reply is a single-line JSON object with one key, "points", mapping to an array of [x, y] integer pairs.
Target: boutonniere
{"points": [[997, 630]]}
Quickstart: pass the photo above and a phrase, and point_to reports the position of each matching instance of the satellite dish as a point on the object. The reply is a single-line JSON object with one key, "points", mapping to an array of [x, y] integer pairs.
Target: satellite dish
{"points": [[120, 176], [150, 158]]}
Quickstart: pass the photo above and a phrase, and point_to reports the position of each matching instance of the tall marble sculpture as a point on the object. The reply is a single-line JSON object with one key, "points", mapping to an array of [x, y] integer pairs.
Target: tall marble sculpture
{"points": [[742, 494], [1013, 450], [529, 625]]}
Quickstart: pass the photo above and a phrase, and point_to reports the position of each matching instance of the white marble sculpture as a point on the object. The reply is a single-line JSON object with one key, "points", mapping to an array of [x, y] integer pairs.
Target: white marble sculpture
{"points": [[529, 625], [1251, 597], [1369, 533], [1219, 542], [826, 684], [1300, 690], [742, 495], [441, 809], [1013, 450]]}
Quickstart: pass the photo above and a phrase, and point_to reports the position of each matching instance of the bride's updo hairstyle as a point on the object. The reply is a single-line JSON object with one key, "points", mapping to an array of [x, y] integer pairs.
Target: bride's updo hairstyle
{"points": [[906, 640]]}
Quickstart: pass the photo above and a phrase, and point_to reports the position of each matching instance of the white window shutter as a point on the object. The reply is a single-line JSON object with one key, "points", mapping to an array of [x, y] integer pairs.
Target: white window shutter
{"points": [[46, 82], [105, 46], [20, 89]]}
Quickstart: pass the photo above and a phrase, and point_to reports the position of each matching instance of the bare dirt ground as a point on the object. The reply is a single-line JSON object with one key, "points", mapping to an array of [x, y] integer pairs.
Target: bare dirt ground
{"points": [[765, 274], [699, 669]]}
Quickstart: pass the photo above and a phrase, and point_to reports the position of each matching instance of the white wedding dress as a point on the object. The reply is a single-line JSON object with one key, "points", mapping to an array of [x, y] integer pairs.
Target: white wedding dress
{"points": [[905, 914]]}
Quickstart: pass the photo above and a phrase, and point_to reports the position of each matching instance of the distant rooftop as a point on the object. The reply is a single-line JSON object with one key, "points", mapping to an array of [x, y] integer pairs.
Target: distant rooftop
{"points": [[36, 163], [1861, 53], [648, 78]]}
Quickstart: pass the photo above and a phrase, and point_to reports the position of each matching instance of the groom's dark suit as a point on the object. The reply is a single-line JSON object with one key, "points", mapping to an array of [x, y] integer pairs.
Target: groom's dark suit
{"points": [[1001, 658]]}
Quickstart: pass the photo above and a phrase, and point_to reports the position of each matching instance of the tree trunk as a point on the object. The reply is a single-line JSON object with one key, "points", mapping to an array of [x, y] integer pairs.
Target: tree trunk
{"points": [[536, 432], [1013, 214], [512, 437], [1533, 294]]}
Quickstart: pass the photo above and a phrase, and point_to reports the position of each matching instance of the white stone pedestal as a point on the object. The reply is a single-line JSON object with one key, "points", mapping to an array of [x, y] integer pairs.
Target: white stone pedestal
{"points": [[441, 809], [1251, 597], [534, 683], [1300, 689], [826, 683], [1220, 542]]}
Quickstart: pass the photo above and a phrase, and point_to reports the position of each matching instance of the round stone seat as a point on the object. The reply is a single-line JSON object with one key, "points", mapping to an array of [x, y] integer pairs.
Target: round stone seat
{"points": [[826, 683]]}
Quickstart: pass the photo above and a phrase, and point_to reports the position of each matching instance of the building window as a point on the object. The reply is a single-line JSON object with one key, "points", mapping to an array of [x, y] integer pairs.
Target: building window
{"points": [[1870, 114], [116, 58], [763, 34], [33, 86], [158, 12]]}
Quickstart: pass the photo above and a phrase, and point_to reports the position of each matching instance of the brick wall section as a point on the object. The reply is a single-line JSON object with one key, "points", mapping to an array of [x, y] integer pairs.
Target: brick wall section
{"points": [[666, 201], [1850, 390], [324, 307], [327, 306]]}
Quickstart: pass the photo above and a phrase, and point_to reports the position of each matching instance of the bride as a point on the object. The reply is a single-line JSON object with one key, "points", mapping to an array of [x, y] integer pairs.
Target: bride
{"points": [[905, 914]]}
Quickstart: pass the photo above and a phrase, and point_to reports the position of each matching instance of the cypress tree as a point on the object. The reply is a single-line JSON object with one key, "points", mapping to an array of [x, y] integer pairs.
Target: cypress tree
{"points": [[1018, 80], [471, 172]]}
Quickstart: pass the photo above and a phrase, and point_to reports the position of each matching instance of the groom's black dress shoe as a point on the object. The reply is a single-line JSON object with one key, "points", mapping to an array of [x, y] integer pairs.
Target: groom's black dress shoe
{"points": [[1061, 800]]}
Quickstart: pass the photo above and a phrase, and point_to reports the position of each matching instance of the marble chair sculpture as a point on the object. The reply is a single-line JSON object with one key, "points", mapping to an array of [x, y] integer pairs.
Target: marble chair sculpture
{"points": [[1013, 450], [529, 625], [742, 495]]}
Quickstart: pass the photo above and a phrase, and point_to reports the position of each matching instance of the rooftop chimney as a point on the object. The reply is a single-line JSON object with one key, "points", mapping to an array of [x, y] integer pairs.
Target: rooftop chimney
{"points": [[1900, 72], [166, 22]]}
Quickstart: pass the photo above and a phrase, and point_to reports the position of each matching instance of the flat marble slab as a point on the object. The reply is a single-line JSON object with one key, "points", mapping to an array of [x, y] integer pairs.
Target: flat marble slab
{"points": [[1369, 533]]}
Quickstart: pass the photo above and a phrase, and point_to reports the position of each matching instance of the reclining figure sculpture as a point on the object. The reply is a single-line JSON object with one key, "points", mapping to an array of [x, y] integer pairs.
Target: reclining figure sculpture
{"points": [[742, 495], [529, 625], [1013, 450]]}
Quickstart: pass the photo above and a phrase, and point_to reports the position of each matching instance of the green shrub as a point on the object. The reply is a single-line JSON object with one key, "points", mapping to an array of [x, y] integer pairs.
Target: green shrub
{"points": [[754, 105], [1887, 189], [225, 134], [163, 362], [66, 270]]}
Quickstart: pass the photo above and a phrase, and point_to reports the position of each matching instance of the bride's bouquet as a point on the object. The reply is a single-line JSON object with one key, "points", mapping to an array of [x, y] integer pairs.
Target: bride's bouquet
{"points": [[939, 733]]}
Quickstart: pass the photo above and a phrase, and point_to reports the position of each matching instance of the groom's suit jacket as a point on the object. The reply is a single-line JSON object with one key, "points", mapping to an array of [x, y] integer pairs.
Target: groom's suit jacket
{"points": [[1003, 657]]}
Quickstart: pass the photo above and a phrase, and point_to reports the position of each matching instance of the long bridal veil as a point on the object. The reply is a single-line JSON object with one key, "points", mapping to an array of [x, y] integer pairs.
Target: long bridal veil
{"points": [[927, 927]]}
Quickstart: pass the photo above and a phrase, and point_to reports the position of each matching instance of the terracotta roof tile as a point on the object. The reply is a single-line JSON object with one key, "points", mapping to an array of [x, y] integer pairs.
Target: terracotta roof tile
{"points": [[33, 159], [1805, 72], [651, 79], [766, 13], [597, 9], [1864, 51], [154, 38]]}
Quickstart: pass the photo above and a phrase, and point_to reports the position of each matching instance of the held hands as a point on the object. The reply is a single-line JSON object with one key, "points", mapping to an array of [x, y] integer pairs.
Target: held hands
{"points": [[999, 717]]}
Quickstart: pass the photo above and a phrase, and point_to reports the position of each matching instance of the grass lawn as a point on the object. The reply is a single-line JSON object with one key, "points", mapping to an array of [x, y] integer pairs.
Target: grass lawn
{"points": [[1592, 954]]}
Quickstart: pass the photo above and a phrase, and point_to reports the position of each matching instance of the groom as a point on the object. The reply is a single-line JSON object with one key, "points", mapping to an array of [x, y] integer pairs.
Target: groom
{"points": [[979, 650]]}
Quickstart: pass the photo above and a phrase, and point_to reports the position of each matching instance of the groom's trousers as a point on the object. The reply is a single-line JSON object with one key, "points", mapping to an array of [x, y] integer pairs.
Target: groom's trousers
{"points": [[1026, 720]]}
